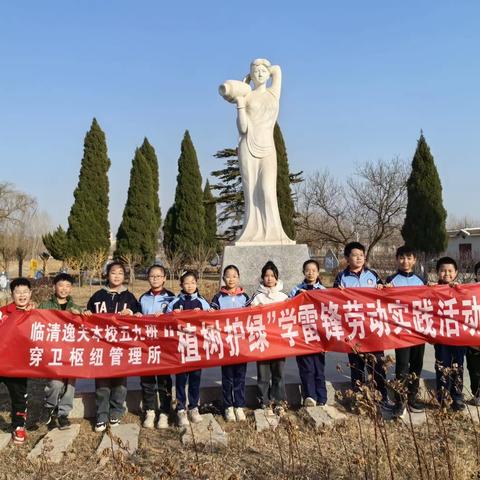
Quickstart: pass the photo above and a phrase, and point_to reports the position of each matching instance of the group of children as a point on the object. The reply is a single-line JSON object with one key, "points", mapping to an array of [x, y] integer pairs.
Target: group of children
{"points": [[116, 298], [449, 359]]}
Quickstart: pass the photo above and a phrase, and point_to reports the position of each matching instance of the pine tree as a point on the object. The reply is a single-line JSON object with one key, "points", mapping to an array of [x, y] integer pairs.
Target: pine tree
{"points": [[424, 227], [56, 244], [284, 192], [210, 218], [137, 234], [189, 210], [230, 193], [169, 229], [88, 227], [148, 152]]}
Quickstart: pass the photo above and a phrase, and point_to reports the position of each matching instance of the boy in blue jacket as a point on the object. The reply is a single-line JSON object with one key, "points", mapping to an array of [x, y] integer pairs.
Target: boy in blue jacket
{"points": [[311, 367], [155, 302], [188, 299], [449, 359], [354, 276], [408, 360]]}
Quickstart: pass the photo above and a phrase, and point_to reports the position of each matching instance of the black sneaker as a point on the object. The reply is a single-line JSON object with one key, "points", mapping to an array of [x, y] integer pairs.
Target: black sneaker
{"points": [[399, 410], [387, 405], [47, 416], [458, 406], [53, 423], [63, 422], [416, 406]]}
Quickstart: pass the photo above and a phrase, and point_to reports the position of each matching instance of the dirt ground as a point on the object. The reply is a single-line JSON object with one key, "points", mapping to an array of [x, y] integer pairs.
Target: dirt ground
{"points": [[365, 446]]}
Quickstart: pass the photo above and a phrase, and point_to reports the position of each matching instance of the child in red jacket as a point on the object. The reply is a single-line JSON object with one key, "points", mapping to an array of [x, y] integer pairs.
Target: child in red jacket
{"points": [[17, 387]]}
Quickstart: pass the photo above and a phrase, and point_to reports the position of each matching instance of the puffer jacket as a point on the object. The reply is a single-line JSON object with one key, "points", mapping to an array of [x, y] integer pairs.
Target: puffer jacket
{"points": [[266, 295]]}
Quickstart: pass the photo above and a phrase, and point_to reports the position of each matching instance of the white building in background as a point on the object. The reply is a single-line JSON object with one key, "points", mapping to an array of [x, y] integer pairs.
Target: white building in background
{"points": [[464, 244]]}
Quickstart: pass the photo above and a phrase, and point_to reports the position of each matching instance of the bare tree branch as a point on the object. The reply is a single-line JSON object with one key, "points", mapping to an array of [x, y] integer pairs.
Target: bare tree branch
{"points": [[370, 205], [13, 205]]}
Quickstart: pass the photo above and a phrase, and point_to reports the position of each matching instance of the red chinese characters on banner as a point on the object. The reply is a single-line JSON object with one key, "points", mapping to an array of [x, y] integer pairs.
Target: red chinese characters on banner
{"points": [[55, 344]]}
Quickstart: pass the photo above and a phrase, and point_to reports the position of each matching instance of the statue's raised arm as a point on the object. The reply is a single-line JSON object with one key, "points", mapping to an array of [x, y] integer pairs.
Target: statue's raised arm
{"points": [[257, 112], [276, 74]]}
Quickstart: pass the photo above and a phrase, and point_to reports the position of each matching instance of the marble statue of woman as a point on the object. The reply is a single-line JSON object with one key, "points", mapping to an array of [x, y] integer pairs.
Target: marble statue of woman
{"points": [[257, 112]]}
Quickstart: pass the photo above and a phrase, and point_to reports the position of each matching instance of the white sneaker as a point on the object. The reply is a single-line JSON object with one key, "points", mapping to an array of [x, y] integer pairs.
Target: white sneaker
{"points": [[182, 418], [149, 421], [194, 415], [162, 421], [100, 427], [279, 411], [240, 414], [309, 402], [114, 422], [230, 415]]}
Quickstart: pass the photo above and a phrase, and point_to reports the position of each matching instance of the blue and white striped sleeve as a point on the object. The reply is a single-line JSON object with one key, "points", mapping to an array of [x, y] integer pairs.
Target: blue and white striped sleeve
{"points": [[171, 305]]}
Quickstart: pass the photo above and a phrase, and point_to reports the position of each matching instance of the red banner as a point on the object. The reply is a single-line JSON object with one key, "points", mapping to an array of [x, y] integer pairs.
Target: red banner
{"points": [[56, 344]]}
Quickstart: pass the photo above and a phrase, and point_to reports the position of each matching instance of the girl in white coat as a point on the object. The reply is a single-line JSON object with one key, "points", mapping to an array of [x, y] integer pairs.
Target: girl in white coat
{"points": [[270, 376]]}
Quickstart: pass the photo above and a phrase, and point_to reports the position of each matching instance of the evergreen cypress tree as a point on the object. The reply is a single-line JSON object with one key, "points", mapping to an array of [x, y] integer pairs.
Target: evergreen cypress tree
{"points": [[210, 217], [169, 229], [189, 210], [284, 192], [424, 227], [148, 152], [88, 227], [56, 243], [137, 233]]}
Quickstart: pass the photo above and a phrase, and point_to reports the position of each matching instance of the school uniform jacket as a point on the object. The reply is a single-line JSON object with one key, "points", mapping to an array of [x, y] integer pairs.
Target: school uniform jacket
{"points": [[404, 279], [184, 301], [151, 302], [113, 301], [305, 286], [224, 300], [365, 278]]}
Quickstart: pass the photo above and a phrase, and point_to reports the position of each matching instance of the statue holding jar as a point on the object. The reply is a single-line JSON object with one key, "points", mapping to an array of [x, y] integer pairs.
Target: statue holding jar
{"points": [[257, 112]]}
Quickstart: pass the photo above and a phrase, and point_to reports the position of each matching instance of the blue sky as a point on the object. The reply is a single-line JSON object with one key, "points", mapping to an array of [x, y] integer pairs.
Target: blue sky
{"points": [[360, 81]]}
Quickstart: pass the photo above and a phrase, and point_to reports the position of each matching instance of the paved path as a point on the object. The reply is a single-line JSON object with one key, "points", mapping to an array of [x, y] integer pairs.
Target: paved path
{"points": [[123, 437], [55, 444], [4, 440], [211, 377], [208, 433]]}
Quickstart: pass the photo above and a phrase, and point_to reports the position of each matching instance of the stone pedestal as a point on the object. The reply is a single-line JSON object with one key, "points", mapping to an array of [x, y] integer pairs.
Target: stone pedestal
{"points": [[251, 258]]}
